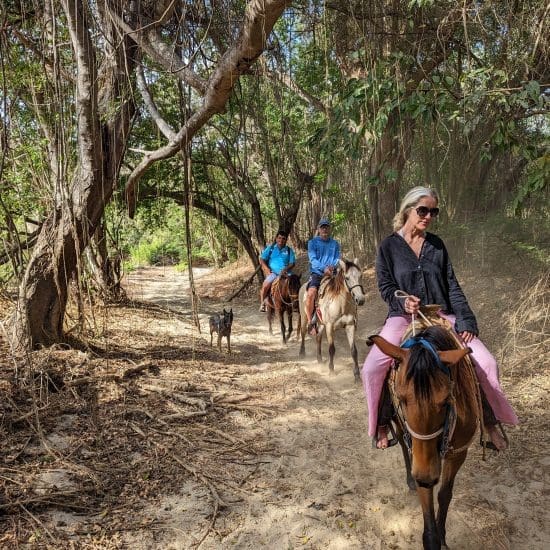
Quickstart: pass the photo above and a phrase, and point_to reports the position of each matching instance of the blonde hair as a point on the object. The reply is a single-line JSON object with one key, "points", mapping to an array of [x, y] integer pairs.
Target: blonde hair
{"points": [[412, 198]]}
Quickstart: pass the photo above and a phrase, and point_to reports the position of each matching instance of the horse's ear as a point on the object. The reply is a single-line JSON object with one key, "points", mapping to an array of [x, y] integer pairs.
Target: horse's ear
{"points": [[393, 351], [356, 261], [342, 265], [451, 357]]}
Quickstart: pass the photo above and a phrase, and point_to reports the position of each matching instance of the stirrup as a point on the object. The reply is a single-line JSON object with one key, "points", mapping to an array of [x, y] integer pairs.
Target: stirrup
{"points": [[391, 441], [489, 444]]}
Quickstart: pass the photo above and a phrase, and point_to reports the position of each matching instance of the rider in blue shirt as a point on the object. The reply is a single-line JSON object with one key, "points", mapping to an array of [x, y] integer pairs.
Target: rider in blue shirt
{"points": [[276, 259], [324, 254]]}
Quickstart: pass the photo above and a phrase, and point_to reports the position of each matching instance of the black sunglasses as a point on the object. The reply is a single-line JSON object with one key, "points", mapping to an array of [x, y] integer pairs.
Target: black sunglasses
{"points": [[423, 211]]}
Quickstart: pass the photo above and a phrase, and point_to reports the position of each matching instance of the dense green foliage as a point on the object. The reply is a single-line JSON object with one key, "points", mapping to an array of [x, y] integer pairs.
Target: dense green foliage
{"points": [[352, 103]]}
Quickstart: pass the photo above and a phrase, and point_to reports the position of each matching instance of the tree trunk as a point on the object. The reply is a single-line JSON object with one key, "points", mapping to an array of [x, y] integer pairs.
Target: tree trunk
{"points": [[43, 291], [42, 300], [103, 270], [387, 164]]}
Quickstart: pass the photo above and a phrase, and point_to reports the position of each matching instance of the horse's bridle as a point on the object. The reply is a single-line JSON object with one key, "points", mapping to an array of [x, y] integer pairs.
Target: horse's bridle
{"points": [[446, 431], [293, 297], [351, 287]]}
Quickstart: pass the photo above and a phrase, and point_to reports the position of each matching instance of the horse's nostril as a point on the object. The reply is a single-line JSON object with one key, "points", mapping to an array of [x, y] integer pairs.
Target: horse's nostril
{"points": [[427, 484]]}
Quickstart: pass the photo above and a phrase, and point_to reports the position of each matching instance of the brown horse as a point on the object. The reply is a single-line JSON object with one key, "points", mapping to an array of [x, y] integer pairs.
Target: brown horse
{"points": [[283, 298], [437, 407]]}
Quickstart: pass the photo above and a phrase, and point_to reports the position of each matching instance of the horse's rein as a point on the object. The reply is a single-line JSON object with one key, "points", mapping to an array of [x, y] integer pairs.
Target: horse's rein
{"points": [[293, 297], [402, 295]]}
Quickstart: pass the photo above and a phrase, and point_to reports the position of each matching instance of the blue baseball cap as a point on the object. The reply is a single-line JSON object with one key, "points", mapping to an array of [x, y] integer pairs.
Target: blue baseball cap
{"points": [[323, 221]]}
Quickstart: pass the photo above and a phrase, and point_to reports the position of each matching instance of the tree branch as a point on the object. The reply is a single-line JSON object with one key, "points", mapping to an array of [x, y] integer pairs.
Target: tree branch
{"points": [[260, 17], [162, 125], [152, 44]]}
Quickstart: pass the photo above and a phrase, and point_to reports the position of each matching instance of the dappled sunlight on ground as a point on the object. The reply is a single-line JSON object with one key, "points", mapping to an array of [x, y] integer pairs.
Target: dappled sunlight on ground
{"points": [[162, 441]]}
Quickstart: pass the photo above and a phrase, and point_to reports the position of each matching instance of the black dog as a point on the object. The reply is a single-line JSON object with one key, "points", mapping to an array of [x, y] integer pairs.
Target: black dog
{"points": [[222, 325]]}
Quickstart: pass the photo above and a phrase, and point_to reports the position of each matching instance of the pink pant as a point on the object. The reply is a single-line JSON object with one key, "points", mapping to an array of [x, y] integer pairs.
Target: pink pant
{"points": [[377, 364]]}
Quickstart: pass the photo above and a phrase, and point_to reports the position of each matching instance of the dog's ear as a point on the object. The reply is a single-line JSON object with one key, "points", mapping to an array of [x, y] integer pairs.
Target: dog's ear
{"points": [[224, 311]]}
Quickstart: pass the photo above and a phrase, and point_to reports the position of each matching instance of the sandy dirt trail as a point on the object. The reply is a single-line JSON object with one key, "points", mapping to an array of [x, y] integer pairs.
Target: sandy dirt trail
{"points": [[320, 484]]}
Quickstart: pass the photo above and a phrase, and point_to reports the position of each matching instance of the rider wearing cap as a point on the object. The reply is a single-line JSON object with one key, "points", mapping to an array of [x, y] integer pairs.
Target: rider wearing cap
{"points": [[324, 253]]}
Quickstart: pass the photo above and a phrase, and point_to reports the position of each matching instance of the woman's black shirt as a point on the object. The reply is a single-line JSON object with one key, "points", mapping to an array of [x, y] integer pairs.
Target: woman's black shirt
{"points": [[430, 277]]}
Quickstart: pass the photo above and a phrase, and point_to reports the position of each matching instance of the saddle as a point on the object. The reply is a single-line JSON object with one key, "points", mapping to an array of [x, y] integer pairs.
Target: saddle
{"points": [[320, 294]]}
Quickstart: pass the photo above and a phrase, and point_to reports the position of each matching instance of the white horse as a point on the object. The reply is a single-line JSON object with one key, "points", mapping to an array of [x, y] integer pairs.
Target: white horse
{"points": [[337, 301]]}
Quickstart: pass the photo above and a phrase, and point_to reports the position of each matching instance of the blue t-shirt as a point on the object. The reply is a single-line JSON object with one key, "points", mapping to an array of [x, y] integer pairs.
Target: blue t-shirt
{"points": [[279, 259], [322, 254]]}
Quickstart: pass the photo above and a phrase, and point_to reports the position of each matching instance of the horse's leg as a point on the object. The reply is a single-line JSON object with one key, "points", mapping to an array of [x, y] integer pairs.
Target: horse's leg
{"points": [[302, 335], [289, 333], [229, 344], [302, 328], [430, 536], [331, 348], [302, 320], [270, 318], [450, 469], [350, 333], [220, 341], [281, 314], [319, 339]]}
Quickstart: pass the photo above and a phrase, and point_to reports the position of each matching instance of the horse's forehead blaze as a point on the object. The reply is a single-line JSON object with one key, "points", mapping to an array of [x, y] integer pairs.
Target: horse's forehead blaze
{"points": [[354, 273]]}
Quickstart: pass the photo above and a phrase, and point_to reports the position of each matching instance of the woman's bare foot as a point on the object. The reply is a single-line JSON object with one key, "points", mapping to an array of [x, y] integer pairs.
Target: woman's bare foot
{"points": [[312, 329], [496, 437], [382, 438]]}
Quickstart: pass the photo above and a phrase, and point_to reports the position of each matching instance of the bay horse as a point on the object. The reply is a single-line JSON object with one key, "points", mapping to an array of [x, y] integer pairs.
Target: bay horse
{"points": [[437, 407], [337, 301], [283, 299]]}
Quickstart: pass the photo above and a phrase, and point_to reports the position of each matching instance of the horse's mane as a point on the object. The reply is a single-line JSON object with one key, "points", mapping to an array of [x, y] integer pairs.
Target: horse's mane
{"points": [[423, 368], [285, 290], [334, 285]]}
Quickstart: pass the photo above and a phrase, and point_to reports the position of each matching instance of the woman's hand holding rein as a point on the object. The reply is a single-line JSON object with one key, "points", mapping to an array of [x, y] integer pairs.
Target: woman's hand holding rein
{"points": [[412, 304]]}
